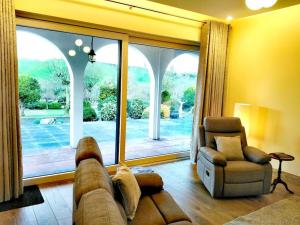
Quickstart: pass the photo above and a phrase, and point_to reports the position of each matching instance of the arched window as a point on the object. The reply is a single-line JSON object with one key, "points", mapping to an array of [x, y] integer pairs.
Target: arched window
{"points": [[167, 78], [178, 96], [44, 98], [100, 108]]}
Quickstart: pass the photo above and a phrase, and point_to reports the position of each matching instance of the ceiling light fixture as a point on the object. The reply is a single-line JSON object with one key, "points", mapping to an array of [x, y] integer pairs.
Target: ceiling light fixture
{"points": [[92, 54], [259, 4], [229, 18], [268, 3], [78, 42], [86, 49], [72, 52]]}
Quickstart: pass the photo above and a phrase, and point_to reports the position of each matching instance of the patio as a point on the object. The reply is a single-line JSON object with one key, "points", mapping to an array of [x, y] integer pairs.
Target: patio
{"points": [[46, 148]]}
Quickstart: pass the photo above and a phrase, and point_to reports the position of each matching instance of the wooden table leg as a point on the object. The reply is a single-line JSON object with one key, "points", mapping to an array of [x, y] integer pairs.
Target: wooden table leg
{"points": [[279, 180]]}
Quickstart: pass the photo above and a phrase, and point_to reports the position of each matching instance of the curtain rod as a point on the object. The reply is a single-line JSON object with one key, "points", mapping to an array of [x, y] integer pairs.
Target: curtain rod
{"points": [[152, 10]]}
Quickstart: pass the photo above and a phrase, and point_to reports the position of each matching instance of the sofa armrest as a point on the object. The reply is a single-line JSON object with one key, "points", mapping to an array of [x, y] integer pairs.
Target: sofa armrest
{"points": [[256, 155], [213, 156], [149, 183]]}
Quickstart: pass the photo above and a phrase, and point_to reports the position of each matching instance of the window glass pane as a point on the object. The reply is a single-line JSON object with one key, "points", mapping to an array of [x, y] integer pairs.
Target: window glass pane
{"points": [[58, 86], [161, 92], [100, 97]]}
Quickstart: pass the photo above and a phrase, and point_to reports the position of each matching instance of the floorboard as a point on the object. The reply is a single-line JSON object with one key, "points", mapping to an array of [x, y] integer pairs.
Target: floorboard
{"points": [[180, 179]]}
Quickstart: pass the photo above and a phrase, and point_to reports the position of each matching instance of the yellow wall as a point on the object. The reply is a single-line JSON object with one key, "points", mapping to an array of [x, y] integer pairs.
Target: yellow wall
{"points": [[116, 16], [264, 70]]}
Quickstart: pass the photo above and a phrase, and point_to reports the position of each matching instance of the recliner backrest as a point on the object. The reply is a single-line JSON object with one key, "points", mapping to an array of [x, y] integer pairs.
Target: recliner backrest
{"points": [[221, 126]]}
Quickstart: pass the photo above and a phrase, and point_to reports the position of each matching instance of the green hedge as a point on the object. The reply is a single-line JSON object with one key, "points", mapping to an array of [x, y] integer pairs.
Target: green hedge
{"points": [[106, 92], [89, 114], [108, 111], [36, 105], [165, 96], [54, 105], [188, 98], [135, 108]]}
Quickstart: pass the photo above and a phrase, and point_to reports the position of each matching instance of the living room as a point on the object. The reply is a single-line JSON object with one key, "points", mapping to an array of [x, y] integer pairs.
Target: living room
{"points": [[155, 86]]}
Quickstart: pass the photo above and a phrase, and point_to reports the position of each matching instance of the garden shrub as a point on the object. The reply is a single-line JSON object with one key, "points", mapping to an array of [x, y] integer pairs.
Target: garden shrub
{"points": [[174, 105], [112, 99], [105, 92], [29, 90], [108, 111], [188, 98], [145, 114], [164, 111], [165, 96], [135, 108], [54, 105], [37, 105], [89, 114]]}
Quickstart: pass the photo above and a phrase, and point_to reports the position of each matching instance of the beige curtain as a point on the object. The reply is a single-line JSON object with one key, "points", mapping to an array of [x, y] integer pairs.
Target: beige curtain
{"points": [[211, 77], [10, 145]]}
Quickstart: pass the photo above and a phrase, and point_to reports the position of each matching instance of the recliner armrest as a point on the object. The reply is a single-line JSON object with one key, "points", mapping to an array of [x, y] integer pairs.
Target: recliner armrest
{"points": [[256, 155], [213, 156], [149, 183]]}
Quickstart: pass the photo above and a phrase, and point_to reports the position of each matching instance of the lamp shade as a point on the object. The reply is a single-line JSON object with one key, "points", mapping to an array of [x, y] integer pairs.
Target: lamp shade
{"points": [[253, 118], [243, 111], [92, 56]]}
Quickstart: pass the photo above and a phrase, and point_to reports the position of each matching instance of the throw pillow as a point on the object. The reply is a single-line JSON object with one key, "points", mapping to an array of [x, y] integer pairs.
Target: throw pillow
{"points": [[231, 147], [130, 192]]}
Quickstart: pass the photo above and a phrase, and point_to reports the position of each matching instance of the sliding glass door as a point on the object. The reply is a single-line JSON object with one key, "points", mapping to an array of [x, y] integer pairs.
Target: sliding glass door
{"points": [[160, 100], [63, 96], [66, 94]]}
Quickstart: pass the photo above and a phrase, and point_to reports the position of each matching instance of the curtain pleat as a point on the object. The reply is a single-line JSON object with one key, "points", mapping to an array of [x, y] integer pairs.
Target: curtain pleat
{"points": [[211, 77], [11, 173]]}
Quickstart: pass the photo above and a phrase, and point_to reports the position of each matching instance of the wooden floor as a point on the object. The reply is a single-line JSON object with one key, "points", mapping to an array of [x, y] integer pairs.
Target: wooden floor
{"points": [[180, 180]]}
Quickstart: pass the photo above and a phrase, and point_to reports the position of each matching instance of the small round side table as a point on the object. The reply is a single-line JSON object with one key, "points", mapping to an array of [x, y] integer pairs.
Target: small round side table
{"points": [[281, 157]]}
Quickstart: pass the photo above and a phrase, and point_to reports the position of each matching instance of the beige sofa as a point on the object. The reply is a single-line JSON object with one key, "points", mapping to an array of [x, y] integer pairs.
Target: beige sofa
{"points": [[96, 201], [224, 178]]}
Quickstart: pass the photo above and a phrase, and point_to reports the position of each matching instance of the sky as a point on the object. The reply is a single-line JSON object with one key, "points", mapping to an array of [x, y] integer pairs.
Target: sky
{"points": [[35, 47], [31, 46]]}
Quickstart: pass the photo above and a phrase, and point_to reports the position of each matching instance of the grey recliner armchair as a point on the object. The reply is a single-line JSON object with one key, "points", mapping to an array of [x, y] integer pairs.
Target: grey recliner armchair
{"points": [[224, 178]]}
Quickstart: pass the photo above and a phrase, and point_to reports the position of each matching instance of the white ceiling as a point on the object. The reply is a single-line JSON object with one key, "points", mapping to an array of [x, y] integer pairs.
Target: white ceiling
{"points": [[223, 8]]}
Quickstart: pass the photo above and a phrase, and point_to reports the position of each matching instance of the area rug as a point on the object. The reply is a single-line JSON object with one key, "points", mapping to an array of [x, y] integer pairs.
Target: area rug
{"points": [[31, 196], [283, 212]]}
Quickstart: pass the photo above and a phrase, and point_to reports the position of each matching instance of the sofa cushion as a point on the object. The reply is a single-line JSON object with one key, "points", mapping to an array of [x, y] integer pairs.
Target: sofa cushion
{"points": [[89, 176], [181, 223], [169, 209], [149, 183], [243, 172], [98, 208], [126, 183], [231, 147], [122, 211], [88, 148], [147, 213], [211, 142]]}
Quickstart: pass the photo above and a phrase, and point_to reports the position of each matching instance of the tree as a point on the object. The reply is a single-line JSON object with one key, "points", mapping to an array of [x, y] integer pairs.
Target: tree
{"points": [[59, 70], [106, 91], [90, 80], [29, 92], [165, 96], [188, 98], [48, 91]]}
